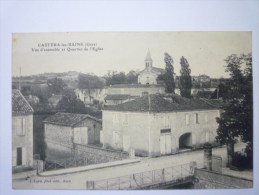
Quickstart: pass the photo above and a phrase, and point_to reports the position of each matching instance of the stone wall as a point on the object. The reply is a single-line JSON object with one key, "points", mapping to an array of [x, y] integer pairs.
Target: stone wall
{"points": [[95, 155], [211, 180]]}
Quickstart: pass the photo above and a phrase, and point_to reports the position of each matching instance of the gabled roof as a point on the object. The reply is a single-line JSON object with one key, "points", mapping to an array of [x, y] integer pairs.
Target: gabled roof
{"points": [[153, 70], [214, 102], [19, 104], [118, 97], [68, 119], [157, 103]]}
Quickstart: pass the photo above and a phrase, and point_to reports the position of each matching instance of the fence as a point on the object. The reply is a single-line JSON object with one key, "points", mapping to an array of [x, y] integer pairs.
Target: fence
{"points": [[62, 164], [144, 179]]}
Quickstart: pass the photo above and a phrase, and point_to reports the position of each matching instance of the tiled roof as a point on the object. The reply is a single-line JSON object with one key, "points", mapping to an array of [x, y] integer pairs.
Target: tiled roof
{"points": [[19, 104], [68, 119], [214, 102], [135, 86], [160, 70], [118, 97], [157, 103], [154, 70]]}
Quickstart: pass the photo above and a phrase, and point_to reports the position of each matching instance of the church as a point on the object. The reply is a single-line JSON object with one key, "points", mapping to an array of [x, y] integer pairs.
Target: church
{"points": [[150, 73]]}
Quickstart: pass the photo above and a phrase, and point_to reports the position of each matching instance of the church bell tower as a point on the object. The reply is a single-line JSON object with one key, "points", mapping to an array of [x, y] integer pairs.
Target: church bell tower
{"points": [[148, 61]]}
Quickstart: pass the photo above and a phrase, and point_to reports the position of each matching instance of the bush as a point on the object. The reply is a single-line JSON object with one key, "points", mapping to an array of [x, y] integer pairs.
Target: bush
{"points": [[242, 161]]}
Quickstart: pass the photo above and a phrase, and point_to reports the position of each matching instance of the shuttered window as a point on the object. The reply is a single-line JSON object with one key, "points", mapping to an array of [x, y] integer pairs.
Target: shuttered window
{"points": [[20, 126]]}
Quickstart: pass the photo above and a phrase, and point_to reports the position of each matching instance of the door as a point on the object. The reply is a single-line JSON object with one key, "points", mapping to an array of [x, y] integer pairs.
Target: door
{"points": [[162, 144], [165, 143], [19, 156], [126, 143], [168, 144]]}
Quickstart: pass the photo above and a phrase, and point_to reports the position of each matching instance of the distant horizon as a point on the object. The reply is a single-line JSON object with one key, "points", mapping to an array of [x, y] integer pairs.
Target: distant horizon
{"points": [[100, 75]]}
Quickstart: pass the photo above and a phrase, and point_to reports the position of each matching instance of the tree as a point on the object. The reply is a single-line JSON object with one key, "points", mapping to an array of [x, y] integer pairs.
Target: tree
{"points": [[70, 103], [56, 85], [132, 77], [168, 77], [185, 83], [90, 82], [113, 78], [237, 117]]}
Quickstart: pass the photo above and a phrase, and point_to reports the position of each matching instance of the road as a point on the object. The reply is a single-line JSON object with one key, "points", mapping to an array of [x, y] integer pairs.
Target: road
{"points": [[78, 180]]}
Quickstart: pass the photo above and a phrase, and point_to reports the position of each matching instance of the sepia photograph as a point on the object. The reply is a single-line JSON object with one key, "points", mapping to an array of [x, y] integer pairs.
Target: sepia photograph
{"points": [[139, 110]]}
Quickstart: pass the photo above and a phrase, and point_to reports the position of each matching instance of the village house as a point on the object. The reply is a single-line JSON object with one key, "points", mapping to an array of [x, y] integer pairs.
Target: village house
{"points": [[154, 125], [89, 97], [150, 73], [54, 100], [115, 99], [64, 130], [22, 132], [135, 89]]}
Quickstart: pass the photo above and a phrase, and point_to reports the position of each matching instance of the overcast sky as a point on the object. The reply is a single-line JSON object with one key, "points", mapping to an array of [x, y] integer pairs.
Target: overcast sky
{"points": [[205, 51]]}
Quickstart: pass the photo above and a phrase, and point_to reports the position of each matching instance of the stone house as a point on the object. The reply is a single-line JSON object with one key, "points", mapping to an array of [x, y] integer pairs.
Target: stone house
{"points": [[63, 130], [54, 100], [135, 89], [115, 99], [88, 97], [153, 125], [150, 73], [22, 132]]}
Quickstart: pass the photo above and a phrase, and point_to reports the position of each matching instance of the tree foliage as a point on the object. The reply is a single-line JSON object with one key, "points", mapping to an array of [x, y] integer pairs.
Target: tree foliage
{"points": [[89, 81], [237, 118], [56, 85], [185, 83], [70, 103], [114, 78], [132, 77], [168, 77]]}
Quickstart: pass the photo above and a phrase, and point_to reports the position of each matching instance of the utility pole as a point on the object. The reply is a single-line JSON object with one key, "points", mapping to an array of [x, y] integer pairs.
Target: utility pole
{"points": [[19, 82]]}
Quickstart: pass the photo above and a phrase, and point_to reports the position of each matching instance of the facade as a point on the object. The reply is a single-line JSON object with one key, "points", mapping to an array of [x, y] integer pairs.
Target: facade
{"points": [[135, 89], [155, 126], [54, 100], [94, 95], [22, 131], [150, 73], [63, 130]]}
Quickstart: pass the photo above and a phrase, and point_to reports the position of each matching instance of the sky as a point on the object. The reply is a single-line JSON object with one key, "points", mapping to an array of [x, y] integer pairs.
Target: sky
{"points": [[99, 52]]}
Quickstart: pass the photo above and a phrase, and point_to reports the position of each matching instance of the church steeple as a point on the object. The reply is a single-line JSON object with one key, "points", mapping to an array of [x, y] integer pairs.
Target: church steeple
{"points": [[148, 60]]}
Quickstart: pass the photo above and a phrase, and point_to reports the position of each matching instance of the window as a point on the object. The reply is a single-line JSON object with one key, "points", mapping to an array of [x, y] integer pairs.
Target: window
{"points": [[21, 126], [187, 119], [115, 118], [115, 138], [125, 119], [196, 118]]}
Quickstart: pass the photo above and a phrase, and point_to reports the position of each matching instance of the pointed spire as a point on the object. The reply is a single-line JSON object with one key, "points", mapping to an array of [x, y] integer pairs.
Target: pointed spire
{"points": [[148, 57]]}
